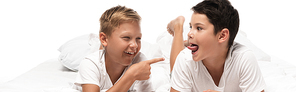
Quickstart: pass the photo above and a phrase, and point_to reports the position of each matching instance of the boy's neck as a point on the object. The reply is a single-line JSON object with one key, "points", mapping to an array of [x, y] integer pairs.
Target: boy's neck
{"points": [[113, 69], [216, 62]]}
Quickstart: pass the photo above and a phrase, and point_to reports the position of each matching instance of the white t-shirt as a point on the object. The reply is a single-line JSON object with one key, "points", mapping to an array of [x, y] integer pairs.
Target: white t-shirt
{"points": [[92, 70], [241, 73]]}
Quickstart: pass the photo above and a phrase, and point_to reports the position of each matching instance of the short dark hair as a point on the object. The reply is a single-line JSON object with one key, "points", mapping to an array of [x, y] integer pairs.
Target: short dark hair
{"points": [[221, 14]]}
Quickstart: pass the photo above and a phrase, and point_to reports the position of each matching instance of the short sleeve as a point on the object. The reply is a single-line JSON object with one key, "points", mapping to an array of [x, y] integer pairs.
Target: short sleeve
{"points": [[180, 79], [251, 79], [88, 73]]}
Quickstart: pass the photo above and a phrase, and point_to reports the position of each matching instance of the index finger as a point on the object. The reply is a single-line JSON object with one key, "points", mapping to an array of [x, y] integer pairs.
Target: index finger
{"points": [[155, 60]]}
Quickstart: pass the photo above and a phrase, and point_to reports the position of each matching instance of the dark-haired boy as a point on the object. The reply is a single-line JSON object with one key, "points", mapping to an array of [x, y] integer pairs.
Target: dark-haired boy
{"points": [[212, 60]]}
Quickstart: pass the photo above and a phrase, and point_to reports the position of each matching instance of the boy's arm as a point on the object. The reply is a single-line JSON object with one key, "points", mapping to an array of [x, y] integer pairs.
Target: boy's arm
{"points": [[90, 88], [138, 71], [175, 28]]}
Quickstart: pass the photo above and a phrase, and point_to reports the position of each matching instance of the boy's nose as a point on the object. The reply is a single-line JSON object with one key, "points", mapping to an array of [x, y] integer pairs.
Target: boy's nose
{"points": [[133, 45], [190, 35]]}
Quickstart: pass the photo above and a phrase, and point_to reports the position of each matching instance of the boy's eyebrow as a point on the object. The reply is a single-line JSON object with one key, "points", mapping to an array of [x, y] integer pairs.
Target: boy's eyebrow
{"points": [[197, 24]]}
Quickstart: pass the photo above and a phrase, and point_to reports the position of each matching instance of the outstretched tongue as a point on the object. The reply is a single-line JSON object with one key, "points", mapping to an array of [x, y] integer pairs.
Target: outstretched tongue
{"points": [[193, 47]]}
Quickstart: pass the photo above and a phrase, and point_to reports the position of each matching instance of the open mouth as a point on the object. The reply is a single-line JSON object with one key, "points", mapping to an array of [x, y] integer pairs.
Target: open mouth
{"points": [[193, 48], [130, 53]]}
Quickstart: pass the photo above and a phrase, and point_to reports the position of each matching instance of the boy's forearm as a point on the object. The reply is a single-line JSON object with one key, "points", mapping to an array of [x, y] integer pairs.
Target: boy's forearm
{"points": [[123, 84], [177, 45]]}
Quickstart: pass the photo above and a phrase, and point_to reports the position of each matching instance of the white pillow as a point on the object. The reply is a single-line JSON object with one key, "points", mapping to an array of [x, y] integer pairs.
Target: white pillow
{"points": [[241, 38], [74, 50]]}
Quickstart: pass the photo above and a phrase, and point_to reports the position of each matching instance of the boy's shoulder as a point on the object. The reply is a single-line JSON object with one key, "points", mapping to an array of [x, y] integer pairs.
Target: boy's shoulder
{"points": [[238, 48], [239, 52], [94, 59], [93, 62], [97, 55]]}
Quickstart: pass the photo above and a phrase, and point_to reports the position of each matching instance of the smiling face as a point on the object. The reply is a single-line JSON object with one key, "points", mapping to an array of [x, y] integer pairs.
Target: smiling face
{"points": [[203, 42], [124, 43]]}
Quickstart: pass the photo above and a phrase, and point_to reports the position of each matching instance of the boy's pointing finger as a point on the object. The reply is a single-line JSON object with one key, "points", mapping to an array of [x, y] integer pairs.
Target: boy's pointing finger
{"points": [[155, 60]]}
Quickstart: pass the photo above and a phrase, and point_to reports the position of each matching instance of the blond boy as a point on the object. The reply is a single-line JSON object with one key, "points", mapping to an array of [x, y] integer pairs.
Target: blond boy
{"points": [[119, 67]]}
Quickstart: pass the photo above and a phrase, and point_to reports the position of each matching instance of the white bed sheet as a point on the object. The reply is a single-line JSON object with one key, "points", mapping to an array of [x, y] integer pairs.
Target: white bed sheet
{"points": [[52, 76], [279, 75], [48, 76]]}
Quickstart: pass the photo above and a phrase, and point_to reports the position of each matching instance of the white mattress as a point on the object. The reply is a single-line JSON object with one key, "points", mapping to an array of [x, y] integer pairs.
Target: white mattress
{"points": [[279, 75], [48, 76]]}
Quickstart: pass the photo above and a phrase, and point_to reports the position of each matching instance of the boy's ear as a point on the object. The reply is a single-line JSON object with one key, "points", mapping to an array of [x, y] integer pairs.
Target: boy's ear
{"points": [[103, 39], [223, 35]]}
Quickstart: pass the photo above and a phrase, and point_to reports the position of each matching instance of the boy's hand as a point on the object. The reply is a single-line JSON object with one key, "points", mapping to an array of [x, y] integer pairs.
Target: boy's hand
{"points": [[141, 70], [176, 25]]}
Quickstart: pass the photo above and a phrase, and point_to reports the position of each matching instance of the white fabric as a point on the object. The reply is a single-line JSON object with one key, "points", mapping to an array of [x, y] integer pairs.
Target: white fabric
{"points": [[49, 76], [93, 71], [74, 50], [241, 73], [279, 75], [52, 76], [160, 71]]}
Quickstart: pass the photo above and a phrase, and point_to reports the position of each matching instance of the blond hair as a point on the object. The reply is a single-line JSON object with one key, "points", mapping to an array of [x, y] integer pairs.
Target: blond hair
{"points": [[112, 18]]}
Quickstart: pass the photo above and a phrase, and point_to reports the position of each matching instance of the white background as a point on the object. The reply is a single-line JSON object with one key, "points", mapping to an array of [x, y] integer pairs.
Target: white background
{"points": [[31, 31]]}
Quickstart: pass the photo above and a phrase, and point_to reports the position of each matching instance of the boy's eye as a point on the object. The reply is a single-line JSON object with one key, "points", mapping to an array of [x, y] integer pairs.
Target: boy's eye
{"points": [[138, 38], [199, 28], [126, 38], [190, 27]]}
